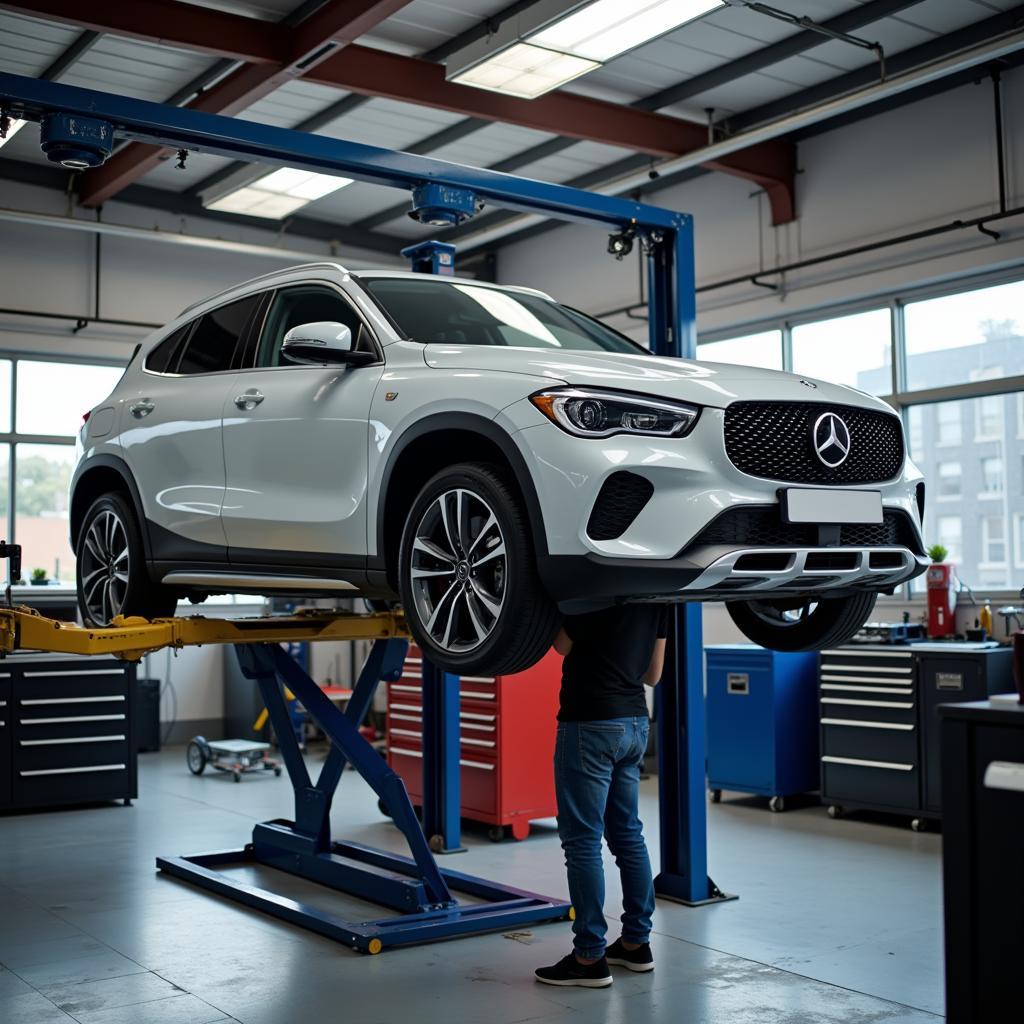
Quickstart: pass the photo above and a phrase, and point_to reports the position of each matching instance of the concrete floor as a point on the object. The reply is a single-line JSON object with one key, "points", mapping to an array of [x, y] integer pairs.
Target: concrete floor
{"points": [[838, 922]]}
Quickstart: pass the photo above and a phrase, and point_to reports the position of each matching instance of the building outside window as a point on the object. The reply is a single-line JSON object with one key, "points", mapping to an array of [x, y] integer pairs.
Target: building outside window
{"points": [[992, 476], [764, 349], [1018, 540], [854, 350], [949, 479], [988, 418], [949, 533], [948, 424], [993, 540]]}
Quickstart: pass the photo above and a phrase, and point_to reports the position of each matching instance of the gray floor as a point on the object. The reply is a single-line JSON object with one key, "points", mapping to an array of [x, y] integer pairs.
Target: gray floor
{"points": [[838, 922]]}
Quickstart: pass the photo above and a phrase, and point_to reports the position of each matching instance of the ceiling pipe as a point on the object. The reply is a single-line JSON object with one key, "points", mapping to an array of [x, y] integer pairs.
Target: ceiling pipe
{"points": [[925, 74]]}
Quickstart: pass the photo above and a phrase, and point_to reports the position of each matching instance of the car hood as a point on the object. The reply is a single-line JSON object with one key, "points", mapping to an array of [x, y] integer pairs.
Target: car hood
{"points": [[711, 384]]}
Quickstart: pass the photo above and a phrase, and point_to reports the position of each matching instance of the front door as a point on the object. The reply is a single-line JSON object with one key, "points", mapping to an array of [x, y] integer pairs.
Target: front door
{"points": [[295, 445], [171, 433]]}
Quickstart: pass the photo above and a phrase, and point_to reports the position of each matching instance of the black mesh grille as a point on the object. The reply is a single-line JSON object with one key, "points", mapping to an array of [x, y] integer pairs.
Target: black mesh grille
{"points": [[774, 440], [619, 502], [762, 526]]}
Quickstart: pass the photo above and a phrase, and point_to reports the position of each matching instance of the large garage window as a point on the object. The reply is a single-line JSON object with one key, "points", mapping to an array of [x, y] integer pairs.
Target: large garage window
{"points": [[763, 349], [854, 350]]}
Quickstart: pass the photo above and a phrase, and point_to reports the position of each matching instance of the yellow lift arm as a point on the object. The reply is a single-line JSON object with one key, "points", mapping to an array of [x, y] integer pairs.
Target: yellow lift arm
{"points": [[23, 629]]}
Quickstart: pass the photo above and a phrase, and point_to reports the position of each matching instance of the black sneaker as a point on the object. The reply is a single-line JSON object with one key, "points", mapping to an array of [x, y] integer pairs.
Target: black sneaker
{"points": [[569, 971], [639, 959]]}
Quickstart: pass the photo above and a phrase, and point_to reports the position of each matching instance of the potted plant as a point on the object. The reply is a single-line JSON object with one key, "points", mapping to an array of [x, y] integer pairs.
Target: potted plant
{"points": [[937, 553], [39, 578]]}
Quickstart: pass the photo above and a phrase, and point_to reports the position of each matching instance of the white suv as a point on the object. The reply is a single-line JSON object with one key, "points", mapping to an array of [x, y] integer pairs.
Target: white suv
{"points": [[488, 457]]}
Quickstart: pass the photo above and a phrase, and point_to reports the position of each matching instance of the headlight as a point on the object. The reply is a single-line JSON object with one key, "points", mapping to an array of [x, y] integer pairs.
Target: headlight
{"points": [[588, 413]]}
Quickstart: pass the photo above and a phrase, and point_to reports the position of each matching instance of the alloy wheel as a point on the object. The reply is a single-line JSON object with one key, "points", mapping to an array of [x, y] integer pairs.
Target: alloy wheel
{"points": [[105, 567], [458, 570]]}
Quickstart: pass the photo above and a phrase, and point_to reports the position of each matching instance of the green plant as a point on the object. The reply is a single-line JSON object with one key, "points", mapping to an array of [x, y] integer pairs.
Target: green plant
{"points": [[937, 553], [39, 574]]}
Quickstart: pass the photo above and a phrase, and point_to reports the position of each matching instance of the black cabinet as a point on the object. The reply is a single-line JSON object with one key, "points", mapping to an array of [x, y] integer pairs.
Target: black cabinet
{"points": [[68, 734], [879, 726], [983, 859]]}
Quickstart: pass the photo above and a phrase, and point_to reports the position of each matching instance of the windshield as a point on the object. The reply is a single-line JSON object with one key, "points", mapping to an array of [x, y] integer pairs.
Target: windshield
{"points": [[460, 313]]}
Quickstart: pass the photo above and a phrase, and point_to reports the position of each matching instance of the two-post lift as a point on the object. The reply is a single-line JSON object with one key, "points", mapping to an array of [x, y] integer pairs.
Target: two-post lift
{"points": [[79, 127]]}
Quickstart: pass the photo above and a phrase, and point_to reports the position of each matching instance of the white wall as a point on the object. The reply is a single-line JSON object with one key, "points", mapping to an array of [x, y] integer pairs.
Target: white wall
{"points": [[922, 165]]}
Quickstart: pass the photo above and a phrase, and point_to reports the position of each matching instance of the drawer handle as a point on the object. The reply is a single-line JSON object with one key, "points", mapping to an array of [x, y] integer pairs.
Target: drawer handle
{"points": [[38, 702], [73, 718], [1007, 775], [479, 743], [904, 690], [476, 695], [839, 652], [3, 703], [856, 724], [476, 716], [74, 739], [405, 718], [901, 670], [407, 753], [406, 732], [487, 680], [76, 771], [397, 687], [851, 702], [477, 764], [831, 677], [480, 728], [75, 672], [857, 762], [406, 707]]}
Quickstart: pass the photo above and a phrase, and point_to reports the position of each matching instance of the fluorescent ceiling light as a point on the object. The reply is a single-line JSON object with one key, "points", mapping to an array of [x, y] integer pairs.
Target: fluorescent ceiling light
{"points": [[605, 28], [278, 194], [524, 70], [12, 130]]}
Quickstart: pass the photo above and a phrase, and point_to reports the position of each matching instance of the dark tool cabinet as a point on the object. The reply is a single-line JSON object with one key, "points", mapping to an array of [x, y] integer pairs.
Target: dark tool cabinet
{"points": [[982, 860], [879, 726], [66, 731]]}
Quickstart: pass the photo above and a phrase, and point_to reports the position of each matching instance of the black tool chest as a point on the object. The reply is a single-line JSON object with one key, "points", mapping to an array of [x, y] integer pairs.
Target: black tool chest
{"points": [[879, 725], [66, 730]]}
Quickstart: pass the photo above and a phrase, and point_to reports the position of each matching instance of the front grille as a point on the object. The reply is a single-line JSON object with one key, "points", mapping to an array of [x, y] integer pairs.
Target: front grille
{"points": [[774, 440], [619, 502], [761, 526]]}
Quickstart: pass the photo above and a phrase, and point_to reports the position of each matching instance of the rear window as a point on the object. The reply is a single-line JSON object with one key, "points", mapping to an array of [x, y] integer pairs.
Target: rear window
{"points": [[165, 356], [212, 343], [462, 313]]}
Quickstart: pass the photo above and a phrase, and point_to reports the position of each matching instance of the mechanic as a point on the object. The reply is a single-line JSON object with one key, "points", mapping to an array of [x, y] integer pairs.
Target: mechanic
{"points": [[603, 724]]}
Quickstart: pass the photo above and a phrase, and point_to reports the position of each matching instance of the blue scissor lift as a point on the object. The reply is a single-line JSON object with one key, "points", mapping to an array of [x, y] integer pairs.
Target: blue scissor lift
{"points": [[84, 123]]}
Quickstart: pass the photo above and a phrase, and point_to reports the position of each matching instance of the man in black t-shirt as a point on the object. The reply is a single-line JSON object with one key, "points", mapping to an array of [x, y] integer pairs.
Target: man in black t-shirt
{"points": [[602, 737]]}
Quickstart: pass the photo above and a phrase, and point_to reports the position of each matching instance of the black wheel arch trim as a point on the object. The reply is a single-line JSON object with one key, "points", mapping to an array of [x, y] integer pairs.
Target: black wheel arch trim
{"points": [[119, 466], [473, 423]]}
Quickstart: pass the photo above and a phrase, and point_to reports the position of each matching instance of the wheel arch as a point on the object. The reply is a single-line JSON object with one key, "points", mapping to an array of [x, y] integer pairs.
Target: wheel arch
{"points": [[426, 448], [99, 475]]}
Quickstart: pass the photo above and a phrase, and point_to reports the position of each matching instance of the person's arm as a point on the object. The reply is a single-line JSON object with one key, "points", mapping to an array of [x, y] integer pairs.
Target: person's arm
{"points": [[653, 675], [563, 643]]}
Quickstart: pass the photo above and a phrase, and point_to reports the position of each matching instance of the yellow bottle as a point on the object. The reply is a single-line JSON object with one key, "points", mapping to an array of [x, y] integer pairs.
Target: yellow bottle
{"points": [[986, 618]]}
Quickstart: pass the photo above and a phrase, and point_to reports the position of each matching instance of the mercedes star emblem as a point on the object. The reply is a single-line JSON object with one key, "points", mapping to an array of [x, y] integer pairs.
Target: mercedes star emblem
{"points": [[831, 438], [808, 383]]}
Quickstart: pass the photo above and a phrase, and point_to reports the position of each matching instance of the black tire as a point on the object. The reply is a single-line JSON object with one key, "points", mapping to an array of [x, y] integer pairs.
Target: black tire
{"points": [[480, 641], [195, 756], [112, 577], [777, 624]]}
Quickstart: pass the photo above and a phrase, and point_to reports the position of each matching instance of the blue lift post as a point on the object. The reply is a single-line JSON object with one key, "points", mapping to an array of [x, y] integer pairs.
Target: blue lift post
{"points": [[86, 122]]}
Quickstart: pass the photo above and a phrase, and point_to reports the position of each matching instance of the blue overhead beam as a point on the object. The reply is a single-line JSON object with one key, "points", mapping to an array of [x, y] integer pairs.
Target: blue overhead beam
{"points": [[181, 128]]}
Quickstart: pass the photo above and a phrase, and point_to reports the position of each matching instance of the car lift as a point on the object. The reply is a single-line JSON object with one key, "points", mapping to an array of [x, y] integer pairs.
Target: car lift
{"points": [[79, 127]]}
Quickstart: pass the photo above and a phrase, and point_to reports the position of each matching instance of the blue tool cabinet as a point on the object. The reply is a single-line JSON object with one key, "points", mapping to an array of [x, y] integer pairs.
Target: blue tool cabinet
{"points": [[762, 722]]}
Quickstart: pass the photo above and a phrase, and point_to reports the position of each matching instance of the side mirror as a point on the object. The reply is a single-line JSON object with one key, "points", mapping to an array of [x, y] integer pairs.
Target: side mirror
{"points": [[322, 342]]}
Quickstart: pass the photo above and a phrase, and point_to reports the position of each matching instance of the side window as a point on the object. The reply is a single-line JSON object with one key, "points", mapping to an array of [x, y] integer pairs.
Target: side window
{"points": [[165, 356], [307, 304], [215, 336]]}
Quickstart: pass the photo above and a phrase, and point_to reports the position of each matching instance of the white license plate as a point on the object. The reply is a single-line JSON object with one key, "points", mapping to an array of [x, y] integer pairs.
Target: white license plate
{"points": [[810, 505]]}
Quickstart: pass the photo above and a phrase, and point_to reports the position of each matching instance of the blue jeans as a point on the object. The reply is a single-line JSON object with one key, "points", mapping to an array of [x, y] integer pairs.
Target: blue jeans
{"points": [[597, 781]]}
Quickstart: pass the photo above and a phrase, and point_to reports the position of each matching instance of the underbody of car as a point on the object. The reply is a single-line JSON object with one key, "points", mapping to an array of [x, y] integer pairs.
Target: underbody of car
{"points": [[488, 458]]}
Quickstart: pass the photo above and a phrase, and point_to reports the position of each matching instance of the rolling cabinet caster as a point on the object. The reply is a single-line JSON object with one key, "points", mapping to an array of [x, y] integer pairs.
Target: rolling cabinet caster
{"points": [[835, 811], [436, 844], [776, 804], [716, 796], [919, 824], [496, 833]]}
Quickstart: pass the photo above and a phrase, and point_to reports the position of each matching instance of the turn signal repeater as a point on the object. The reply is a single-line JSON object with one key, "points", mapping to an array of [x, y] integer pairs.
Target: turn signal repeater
{"points": [[594, 413]]}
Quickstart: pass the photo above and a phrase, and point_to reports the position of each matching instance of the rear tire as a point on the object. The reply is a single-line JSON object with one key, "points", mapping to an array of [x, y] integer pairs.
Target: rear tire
{"points": [[467, 574], [779, 625], [112, 577]]}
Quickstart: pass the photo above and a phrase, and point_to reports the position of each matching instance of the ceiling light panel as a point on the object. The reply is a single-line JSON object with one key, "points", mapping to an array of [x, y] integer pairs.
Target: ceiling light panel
{"points": [[278, 194], [606, 28], [526, 71]]}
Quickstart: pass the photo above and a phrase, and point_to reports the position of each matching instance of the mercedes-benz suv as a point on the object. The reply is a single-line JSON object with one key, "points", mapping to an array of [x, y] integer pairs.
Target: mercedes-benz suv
{"points": [[487, 457]]}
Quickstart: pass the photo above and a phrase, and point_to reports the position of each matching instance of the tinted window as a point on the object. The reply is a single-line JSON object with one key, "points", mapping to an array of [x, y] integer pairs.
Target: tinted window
{"points": [[165, 355], [306, 305], [461, 313], [215, 335]]}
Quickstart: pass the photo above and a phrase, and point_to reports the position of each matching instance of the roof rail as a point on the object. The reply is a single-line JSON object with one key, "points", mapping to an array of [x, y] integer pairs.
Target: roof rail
{"points": [[329, 264]]}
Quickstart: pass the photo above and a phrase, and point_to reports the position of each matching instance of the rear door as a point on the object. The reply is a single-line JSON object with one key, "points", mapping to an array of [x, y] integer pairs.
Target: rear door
{"points": [[295, 444], [172, 432]]}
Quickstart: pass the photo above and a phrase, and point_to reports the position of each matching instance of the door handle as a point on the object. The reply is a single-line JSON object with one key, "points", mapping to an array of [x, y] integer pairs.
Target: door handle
{"points": [[143, 407], [249, 399]]}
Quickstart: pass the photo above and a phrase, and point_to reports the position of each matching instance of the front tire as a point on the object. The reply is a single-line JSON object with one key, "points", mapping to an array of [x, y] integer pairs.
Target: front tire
{"points": [[467, 574], [112, 579], [810, 625]]}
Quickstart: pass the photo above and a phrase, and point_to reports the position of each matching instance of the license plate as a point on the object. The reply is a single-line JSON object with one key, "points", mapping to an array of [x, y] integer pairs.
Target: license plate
{"points": [[811, 505]]}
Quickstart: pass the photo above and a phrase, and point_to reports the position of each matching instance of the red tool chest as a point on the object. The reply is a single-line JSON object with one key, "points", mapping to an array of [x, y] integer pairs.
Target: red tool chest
{"points": [[507, 728]]}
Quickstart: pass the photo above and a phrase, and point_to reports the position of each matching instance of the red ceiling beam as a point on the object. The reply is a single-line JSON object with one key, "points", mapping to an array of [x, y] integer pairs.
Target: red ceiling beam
{"points": [[320, 36], [276, 54]]}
